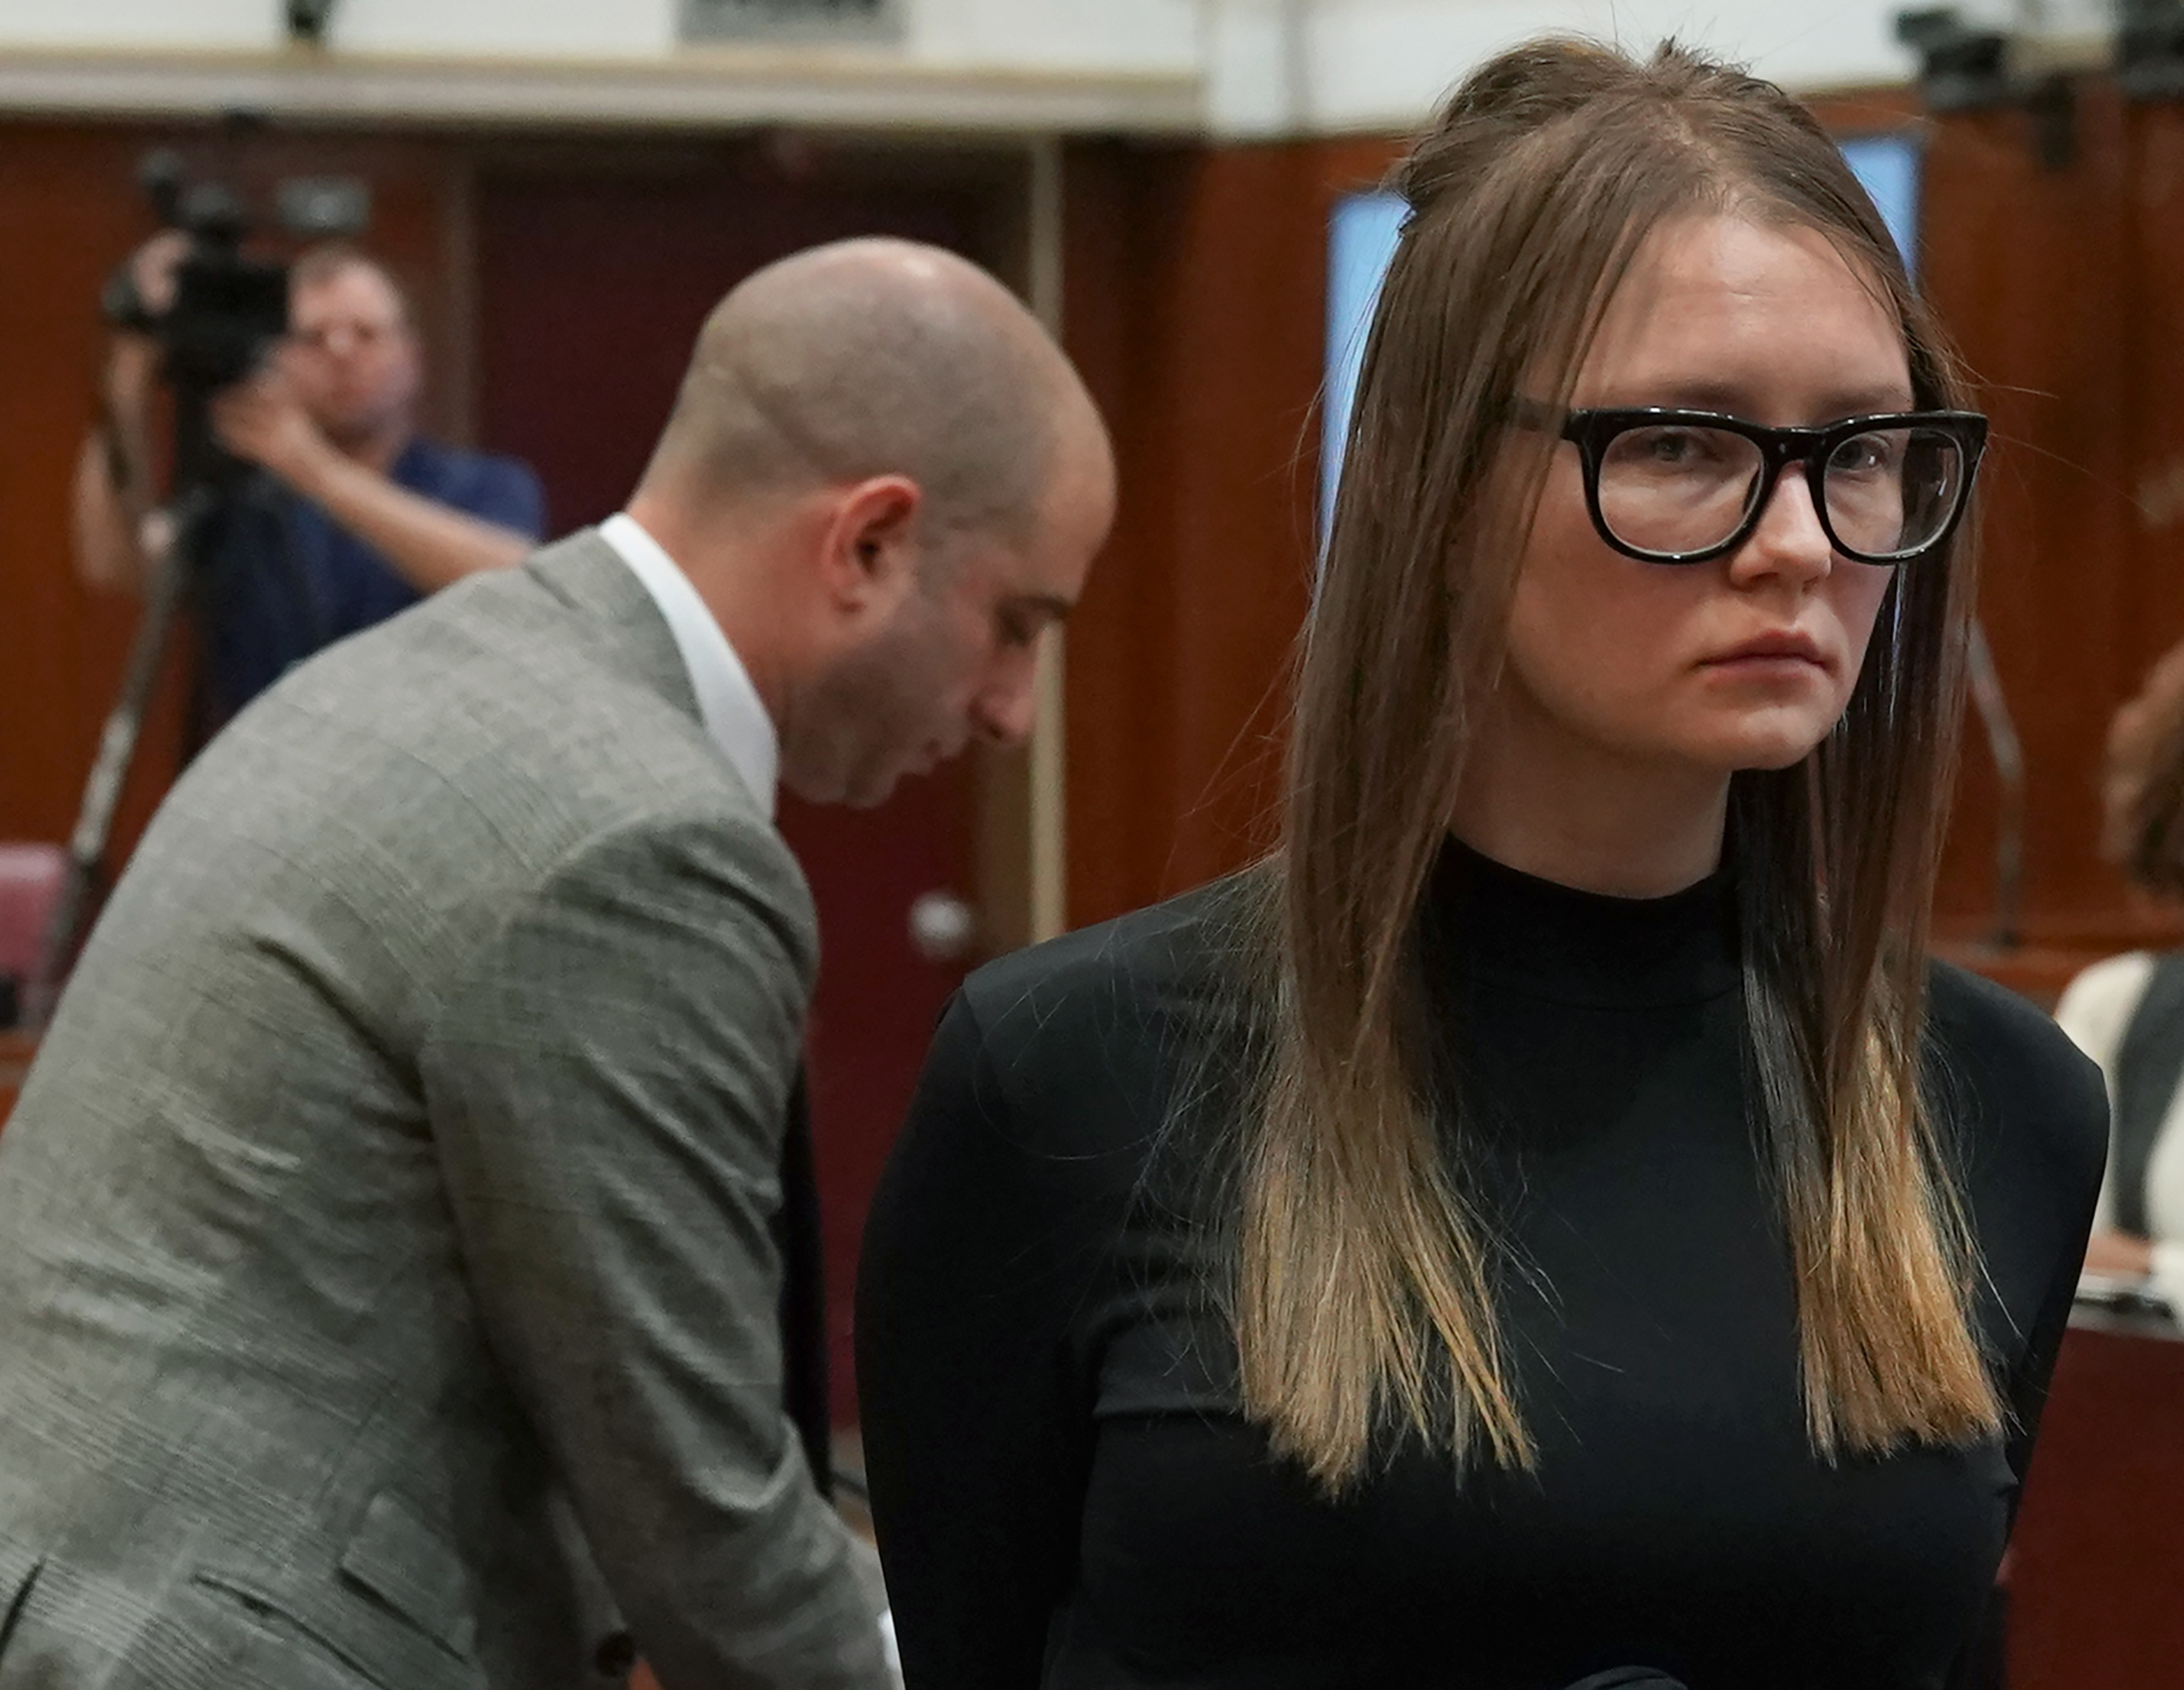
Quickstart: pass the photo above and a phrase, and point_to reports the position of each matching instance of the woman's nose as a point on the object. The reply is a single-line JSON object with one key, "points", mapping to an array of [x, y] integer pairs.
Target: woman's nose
{"points": [[1788, 538]]}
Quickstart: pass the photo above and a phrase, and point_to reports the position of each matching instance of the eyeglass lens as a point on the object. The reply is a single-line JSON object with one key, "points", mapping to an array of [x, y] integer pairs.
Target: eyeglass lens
{"points": [[1673, 487]]}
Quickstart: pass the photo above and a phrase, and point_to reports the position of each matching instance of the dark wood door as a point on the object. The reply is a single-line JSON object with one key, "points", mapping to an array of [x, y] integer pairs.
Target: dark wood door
{"points": [[593, 284]]}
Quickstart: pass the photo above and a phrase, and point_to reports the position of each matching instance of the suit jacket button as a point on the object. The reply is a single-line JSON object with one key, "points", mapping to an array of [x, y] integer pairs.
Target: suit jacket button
{"points": [[615, 1656]]}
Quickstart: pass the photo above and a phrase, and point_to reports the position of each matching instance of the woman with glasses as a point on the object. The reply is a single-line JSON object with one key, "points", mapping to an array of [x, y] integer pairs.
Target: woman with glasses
{"points": [[1550, 1217]]}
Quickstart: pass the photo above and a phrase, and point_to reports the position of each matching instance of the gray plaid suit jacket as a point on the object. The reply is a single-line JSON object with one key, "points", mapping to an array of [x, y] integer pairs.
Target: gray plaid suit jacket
{"points": [[385, 1246]]}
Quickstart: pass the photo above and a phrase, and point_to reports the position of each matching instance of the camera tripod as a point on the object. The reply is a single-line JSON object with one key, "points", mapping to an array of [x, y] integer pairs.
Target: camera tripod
{"points": [[167, 581], [178, 573]]}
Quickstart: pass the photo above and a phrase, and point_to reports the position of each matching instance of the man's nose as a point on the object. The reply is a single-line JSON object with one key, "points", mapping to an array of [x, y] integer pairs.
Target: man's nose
{"points": [[1004, 713]]}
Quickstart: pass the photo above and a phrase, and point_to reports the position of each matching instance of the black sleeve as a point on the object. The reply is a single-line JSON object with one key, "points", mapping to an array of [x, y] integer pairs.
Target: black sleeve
{"points": [[2027, 1391], [2034, 1111], [975, 1426], [2081, 1101]]}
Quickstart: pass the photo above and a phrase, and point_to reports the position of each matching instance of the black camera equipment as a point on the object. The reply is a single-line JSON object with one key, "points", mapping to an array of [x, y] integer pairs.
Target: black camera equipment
{"points": [[229, 310]]}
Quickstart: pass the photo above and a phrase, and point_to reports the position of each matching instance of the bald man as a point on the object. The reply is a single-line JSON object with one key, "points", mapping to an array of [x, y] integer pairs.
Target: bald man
{"points": [[399, 1229]]}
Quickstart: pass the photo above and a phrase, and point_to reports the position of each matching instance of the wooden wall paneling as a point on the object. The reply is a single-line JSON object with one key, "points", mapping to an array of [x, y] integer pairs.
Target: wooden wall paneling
{"points": [[1194, 304], [749, 202], [2093, 1558], [2031, 269], [68, 205], [2153, 611], [1235, 413], [1118, 752], [1848, 112]]}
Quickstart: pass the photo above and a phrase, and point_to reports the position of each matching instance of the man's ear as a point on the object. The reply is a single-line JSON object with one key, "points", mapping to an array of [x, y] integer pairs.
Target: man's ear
{"points": [[869, 555]]}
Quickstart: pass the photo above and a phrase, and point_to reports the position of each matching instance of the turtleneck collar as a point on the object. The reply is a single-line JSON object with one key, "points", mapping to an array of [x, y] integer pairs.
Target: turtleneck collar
{"points": [[1553, 941]]}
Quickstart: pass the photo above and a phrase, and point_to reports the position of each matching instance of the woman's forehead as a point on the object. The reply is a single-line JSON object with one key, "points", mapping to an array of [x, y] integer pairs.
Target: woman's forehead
{"points": [[1721, 308]]}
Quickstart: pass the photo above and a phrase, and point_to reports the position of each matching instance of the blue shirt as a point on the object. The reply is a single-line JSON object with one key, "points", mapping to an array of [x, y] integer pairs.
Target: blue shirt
{"points": [[279, 579]]}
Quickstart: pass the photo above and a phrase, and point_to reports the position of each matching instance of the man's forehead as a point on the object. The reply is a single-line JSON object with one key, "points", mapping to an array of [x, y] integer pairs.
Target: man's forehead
{"points": [[1044, 577], [355, 290]]}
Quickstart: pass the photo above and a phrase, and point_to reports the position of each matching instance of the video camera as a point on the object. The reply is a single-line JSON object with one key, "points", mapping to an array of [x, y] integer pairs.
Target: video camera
{"points": [[229, 310]]}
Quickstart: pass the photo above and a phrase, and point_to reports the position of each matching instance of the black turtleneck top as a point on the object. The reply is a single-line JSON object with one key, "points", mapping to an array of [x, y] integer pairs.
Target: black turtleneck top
{"points": [[1067, 1496]]}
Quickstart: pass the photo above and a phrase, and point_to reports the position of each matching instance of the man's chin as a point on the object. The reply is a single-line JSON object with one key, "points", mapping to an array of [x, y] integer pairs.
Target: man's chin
{"points": [[849, 792], [873, 794]]}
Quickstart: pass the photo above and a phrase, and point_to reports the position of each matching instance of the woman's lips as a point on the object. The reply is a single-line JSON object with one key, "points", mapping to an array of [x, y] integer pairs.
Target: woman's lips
{"points": [[1787, 651]]}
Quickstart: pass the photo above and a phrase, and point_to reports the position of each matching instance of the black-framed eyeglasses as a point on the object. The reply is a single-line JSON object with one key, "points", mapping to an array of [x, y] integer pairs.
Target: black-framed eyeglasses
{"points": [[1681, 486]]}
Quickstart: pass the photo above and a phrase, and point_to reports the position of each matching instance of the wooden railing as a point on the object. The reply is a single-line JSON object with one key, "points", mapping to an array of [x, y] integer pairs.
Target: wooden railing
{"points": [[2092, 1565]]}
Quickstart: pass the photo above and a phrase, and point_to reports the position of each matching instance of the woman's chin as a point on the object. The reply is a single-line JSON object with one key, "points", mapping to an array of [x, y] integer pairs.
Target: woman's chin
{"points": [[1773, 739], [1784, 755]]}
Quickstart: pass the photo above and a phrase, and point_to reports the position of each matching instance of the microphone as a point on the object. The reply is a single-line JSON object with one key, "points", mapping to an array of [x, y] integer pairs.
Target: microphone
{"points": [[1629, 1678]]}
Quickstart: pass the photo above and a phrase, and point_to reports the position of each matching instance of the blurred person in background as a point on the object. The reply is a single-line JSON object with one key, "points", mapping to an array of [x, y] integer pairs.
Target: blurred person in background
{"points": [[356, 516], [2127, 1012], [408, 1247], [1551, 1217]]}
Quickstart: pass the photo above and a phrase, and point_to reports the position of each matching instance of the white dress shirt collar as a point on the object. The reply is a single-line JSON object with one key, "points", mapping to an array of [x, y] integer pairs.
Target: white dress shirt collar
{"points": [[727, 703]]}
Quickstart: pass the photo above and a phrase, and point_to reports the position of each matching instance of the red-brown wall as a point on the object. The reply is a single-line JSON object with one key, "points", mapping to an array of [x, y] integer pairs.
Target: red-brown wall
{"points": [[65, 200], [1196, 305]]}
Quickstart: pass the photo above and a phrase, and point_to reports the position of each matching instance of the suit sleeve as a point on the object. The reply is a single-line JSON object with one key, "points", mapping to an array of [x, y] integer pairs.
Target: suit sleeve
{"points": [[608, 1088], [975, 1437]]}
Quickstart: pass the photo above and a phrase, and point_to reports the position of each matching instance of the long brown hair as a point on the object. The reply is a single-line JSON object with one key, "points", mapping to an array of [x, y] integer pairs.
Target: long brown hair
{"points": [[1365, 1257]]}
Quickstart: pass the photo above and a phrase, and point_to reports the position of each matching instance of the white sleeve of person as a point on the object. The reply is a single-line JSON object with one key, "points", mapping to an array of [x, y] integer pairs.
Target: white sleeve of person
{"points": [[2095, 1009]]}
